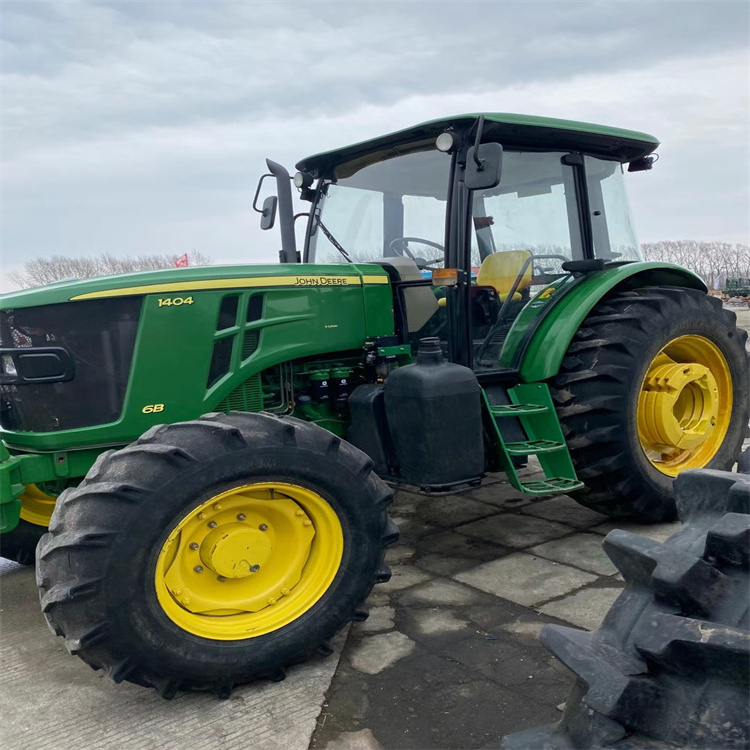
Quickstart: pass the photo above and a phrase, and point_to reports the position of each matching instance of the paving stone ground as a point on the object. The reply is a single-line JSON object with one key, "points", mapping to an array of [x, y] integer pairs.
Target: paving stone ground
{"points": [[450, 657], [476, 577]]}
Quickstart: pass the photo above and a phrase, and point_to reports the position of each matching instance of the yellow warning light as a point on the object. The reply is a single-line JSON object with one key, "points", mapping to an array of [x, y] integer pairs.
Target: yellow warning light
{"points": [[445, 277]]}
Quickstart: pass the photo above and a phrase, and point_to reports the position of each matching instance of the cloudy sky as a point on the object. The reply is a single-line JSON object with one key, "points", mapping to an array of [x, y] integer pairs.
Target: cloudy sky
{"points": [[141, 127]]}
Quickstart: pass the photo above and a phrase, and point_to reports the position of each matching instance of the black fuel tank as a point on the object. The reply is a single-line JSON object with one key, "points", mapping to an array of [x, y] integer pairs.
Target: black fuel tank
{"points": [[434, 414]]}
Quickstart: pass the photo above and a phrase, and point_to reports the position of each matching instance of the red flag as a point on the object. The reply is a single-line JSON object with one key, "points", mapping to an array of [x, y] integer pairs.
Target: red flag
{"points": [[182, 261]]}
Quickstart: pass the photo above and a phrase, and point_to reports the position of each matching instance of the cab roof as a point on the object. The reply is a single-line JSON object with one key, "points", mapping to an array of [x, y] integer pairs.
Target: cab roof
{"points": [[511, 130]]}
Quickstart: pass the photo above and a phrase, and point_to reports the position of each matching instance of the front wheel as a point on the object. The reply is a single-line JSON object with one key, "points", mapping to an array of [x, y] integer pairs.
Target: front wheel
{"points": [[654, 382], [37, 505], [214, 552]]}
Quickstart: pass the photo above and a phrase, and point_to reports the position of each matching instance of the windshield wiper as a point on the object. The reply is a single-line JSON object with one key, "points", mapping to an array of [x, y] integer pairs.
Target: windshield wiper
{"points": [[334, 241]]}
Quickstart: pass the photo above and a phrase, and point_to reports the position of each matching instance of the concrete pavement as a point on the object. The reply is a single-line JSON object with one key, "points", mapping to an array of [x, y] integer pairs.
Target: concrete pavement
{"points": [[49, 699]]}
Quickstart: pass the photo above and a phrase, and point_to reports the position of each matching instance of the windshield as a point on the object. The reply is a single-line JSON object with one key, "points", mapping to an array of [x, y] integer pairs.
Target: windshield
{"points": [[394, 207]]}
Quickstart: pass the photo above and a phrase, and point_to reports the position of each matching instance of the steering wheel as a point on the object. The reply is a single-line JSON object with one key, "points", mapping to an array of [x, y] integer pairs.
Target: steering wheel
{"points": [[400, 246]]}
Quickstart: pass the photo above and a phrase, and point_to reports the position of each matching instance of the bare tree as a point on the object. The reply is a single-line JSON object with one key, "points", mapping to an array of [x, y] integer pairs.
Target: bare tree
{"points": [[41, 271], [714, 262]]}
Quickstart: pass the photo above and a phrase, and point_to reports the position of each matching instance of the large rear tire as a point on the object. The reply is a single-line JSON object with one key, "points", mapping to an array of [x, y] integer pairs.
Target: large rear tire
{"points": [[670, 665], [213, 552], [654, 382]]}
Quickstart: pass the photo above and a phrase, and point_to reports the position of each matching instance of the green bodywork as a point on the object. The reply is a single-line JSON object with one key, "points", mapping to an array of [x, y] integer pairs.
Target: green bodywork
{"points": [[174, 344], [308, 311], [551, 319], [313, 322]]}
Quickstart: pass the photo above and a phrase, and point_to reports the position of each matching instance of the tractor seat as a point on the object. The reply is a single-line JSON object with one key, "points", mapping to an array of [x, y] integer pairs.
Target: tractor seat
{"points": [[500, 271]]}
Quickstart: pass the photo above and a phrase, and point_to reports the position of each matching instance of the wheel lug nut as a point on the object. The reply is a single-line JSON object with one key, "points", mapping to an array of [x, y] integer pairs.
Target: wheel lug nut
{"points": [[221, 579], [201, 516], [307, 523], [285, 592], [212, 524], [217, 506], [300, 513], [193, 545], [272, 601], [254, 568], [263, 527], [198, 568], [241, 516]]}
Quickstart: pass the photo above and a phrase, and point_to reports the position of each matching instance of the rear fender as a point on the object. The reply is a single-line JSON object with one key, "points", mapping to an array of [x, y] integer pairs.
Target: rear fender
{"points": [[540, 336]]}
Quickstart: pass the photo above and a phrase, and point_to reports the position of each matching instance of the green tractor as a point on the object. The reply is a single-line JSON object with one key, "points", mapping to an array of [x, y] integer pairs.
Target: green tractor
{"points": [[210, 447]]}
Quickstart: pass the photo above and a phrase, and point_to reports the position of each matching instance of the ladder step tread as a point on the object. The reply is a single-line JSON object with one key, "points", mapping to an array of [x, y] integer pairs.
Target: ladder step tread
{"points": [[554, 485], [517, 410], [524, 447]]}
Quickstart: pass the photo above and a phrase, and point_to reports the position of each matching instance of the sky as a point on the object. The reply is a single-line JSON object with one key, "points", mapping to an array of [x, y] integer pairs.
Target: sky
{"points": [[142, 127]]}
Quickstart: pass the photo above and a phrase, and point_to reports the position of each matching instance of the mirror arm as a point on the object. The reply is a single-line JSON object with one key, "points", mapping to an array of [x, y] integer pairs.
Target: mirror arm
{"points": [[477, 140], [257, 193]]}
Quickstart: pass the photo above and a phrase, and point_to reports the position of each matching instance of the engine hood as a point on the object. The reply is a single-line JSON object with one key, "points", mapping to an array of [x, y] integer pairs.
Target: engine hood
{"points": [[185, 280]]}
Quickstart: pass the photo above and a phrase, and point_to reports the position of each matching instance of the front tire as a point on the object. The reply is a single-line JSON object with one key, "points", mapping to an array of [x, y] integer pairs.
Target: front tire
{"points": [[654, 382], [20, 544], [214, 552]]}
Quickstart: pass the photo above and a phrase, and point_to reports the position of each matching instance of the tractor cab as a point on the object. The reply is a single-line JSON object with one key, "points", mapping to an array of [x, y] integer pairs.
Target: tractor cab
{"points": [[473, 217]]}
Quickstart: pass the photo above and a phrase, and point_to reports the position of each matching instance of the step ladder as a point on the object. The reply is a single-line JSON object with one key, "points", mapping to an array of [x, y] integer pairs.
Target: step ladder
{"points": [[532, 406]]}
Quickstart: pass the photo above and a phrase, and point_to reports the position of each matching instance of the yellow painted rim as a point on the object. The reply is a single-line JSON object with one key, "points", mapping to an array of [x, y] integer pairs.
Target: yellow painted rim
{"points": [[37, 506], [685, 405], [249, 561]]}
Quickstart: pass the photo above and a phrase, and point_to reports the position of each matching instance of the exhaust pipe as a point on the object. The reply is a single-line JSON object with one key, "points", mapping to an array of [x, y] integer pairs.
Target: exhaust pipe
{"points": [[288, 253]]}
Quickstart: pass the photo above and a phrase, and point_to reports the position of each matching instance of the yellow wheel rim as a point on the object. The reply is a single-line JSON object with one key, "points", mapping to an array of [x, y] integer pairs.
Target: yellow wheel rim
{"points": [[685, 405], [37, 506], [249, 561]]}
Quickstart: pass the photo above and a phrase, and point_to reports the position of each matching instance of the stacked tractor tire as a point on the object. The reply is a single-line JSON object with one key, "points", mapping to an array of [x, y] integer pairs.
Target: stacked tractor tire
{"points": [[670, 664]]}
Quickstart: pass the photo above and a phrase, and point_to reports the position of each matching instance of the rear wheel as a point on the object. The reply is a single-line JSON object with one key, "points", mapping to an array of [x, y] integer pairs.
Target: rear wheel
{"points": [[213, 552], [653, 383]]}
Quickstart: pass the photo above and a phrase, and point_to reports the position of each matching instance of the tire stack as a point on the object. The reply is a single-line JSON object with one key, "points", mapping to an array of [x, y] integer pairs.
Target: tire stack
{"points": [[670, 664]]}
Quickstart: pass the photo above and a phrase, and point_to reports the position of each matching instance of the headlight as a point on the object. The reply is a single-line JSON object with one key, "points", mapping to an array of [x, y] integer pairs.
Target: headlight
{"points": [[9, 366]]}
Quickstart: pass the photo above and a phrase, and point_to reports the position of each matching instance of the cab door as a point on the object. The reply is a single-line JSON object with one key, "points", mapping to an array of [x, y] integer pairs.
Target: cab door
{"points": [[519, 235]]}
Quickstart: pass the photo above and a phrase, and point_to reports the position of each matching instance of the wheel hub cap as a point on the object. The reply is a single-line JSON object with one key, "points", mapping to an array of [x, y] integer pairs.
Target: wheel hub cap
{"points": [[679, 406], [248, 561], [235, 550]]}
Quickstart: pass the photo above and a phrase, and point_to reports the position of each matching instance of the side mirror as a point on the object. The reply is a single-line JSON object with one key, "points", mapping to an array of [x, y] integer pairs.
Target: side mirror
{"points": [[268, 214], [484, 165]]}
